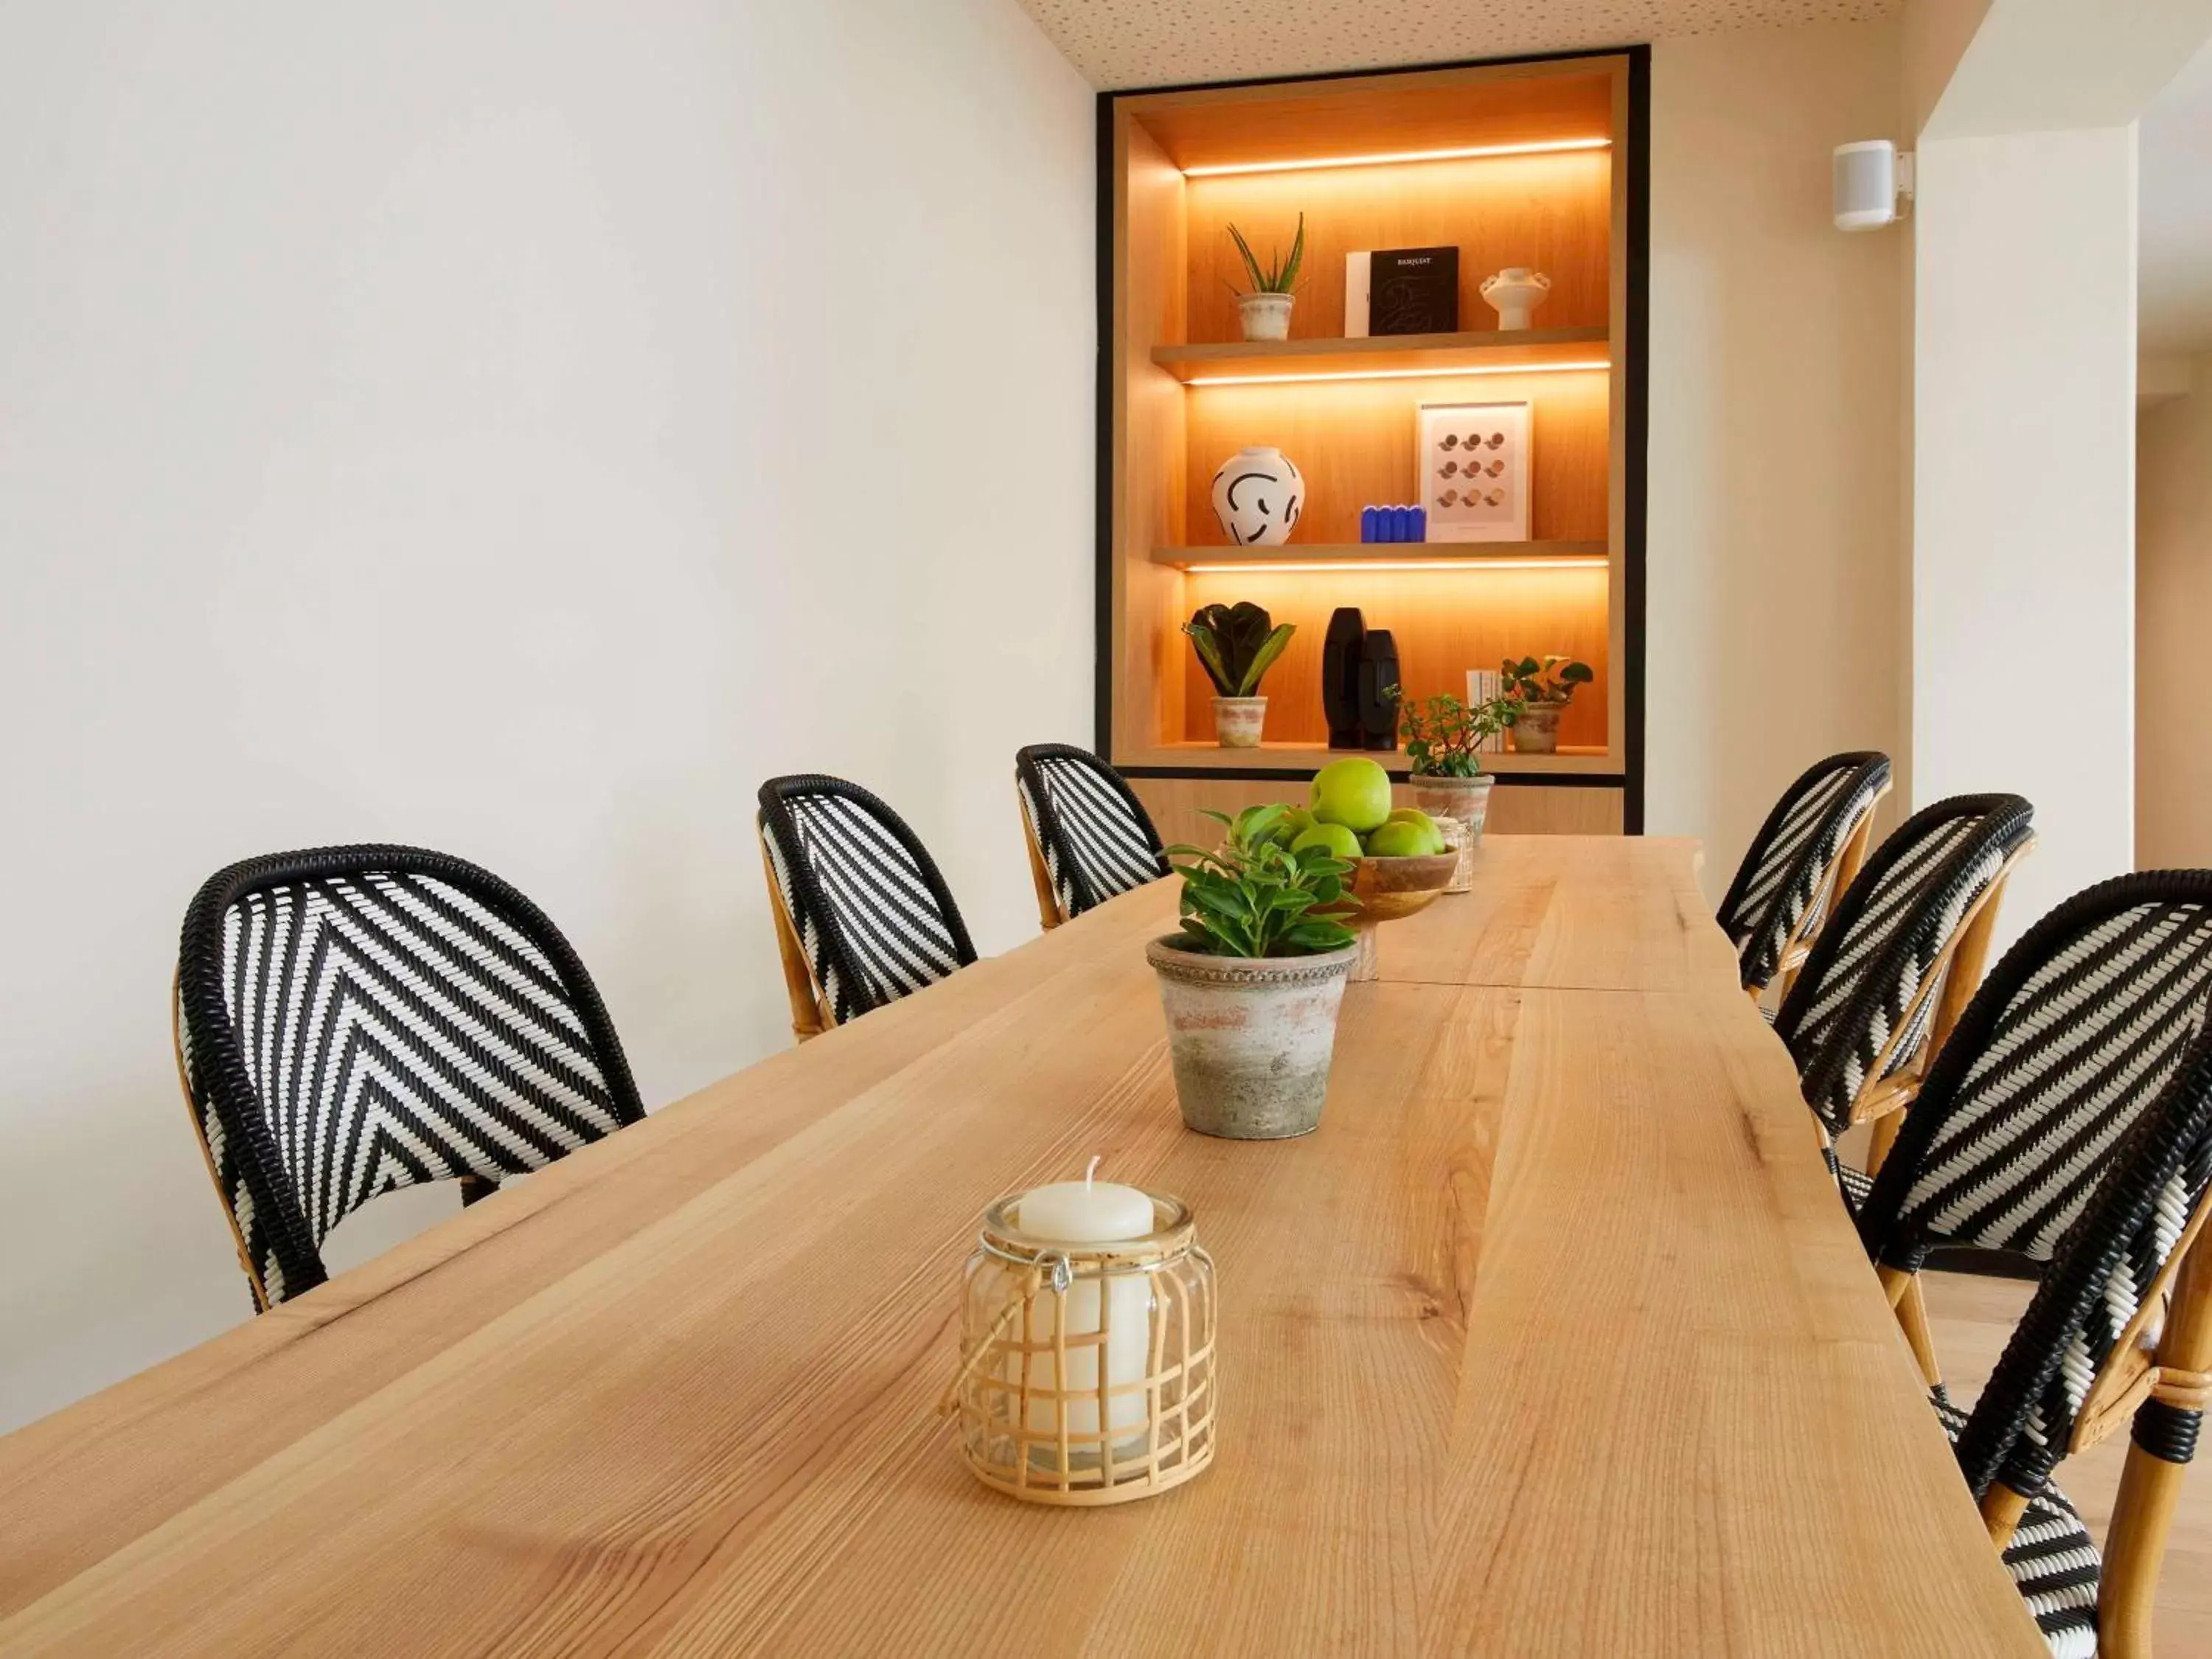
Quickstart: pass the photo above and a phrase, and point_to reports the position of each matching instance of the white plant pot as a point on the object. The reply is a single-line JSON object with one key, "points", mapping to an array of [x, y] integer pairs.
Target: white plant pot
{"points": [[1250, 1038], [1515, 291], [1464, 802], [1238, 721], [1265, 316], [1257, 495]]}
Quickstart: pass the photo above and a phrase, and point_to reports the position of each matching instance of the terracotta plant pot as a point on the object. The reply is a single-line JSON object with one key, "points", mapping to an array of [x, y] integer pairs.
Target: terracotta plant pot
{"points": [[1537, 731], [1467, 802], [1251, 1037], [1238, 721], [1265, 316]]}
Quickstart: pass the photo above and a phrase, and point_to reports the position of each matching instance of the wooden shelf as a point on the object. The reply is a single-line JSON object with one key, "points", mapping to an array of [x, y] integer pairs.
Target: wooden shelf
{"points": [[1209, 756], [1390, 354], [1442, 554]]}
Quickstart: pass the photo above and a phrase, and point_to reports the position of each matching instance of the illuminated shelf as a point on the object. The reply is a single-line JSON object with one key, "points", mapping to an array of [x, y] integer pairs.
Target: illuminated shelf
{"points": [[1386, 357], [1309, 757], [1352, 557]]}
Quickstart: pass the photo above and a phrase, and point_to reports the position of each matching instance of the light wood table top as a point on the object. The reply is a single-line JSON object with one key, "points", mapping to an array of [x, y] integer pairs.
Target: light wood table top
{"points": [[1553, 1340]]}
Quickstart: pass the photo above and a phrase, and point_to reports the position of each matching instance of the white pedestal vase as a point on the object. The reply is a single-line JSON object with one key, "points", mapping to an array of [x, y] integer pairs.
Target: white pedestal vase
{"points": [[1515, 291], [1257, 495]]}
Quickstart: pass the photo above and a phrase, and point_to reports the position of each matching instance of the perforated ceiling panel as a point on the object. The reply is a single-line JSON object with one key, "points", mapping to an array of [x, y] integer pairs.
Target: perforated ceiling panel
{"points": [[1152, 43]]}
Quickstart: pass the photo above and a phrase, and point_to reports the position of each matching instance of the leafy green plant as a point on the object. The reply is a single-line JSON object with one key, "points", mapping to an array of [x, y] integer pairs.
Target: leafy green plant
{"points": [[1553, 680], [1236, 644], [1278, 276], [1252, 896], [1443, 735]]}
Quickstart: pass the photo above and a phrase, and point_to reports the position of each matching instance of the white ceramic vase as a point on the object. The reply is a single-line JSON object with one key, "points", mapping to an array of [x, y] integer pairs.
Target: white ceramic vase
{"points": [[1265, 316], [1257, 495], [1515, 291]]}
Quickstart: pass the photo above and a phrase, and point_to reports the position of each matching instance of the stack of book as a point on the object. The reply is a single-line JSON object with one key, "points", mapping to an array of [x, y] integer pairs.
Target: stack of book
{"points": [[1484, 685]]}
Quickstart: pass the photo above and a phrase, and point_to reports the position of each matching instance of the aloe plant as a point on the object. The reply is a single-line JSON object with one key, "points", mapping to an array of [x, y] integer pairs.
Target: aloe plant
{"points": [[1236, 644], [1280, 275]]}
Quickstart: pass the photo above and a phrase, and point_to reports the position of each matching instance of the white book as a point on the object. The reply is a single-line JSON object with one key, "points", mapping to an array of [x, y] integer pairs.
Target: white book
{"points": [[1482, 685], [1355, 296]]}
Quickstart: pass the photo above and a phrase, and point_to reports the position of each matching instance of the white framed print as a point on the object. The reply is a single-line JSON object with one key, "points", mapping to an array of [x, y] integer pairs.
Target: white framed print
{"points": [[1476, 469]]}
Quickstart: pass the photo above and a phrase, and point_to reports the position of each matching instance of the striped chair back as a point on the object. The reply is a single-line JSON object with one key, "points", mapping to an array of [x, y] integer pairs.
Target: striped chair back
{"points": [[871, 914], [2069, 1118], [1861, 1012], [1785, 883], [354, 1019], [1091, 838]]}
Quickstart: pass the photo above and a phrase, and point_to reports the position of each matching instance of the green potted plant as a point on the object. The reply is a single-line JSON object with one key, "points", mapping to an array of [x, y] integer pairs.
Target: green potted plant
{"points": [[1443, 739], [1252, 983], [1543, 689], [1236, 644], [1263, 309]]}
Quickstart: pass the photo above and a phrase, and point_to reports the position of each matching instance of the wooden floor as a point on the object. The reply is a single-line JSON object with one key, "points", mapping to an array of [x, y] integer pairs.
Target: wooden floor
{"points": [[1973, 1316]]}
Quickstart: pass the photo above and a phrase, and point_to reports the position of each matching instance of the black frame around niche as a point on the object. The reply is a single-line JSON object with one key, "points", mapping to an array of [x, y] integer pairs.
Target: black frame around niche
{"points": [[1634, 360]]}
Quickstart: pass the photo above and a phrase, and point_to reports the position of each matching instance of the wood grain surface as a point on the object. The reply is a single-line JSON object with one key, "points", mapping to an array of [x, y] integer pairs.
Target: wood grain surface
{"points": [[1554, 1339]]}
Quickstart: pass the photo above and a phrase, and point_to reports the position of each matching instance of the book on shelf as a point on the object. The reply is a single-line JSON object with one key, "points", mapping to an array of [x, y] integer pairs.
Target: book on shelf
{"points": [[1400, 290], [1483, 684]]}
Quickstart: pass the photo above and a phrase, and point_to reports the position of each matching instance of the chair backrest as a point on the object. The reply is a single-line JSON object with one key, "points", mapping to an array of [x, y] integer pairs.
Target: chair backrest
{"points": [[1861, 1009], [872, 914], [2069, 1119], [1092, 835], [1781, 890], [354, 1019]]}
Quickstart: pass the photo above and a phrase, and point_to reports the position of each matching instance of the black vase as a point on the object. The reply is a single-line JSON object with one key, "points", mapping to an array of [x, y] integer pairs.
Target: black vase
{"points": [[1378, 679], [1339, 678]]}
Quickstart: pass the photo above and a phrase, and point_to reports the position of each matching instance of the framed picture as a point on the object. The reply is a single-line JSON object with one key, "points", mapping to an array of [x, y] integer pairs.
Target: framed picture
{"points": [[1476, 467]]}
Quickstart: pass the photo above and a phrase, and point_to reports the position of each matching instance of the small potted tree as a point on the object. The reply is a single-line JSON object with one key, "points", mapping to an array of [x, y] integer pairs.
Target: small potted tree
{"points": [[1263, 309], [1252, 984], [1543, 690], [1236, 644], [1444, 741]]}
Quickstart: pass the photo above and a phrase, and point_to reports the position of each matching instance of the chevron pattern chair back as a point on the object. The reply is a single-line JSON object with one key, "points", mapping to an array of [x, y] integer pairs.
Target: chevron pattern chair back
{"points": [[1089, 837], [354, 1019], [1861, 1010], [2069, 1119], [1795, 865], [872, 916]]}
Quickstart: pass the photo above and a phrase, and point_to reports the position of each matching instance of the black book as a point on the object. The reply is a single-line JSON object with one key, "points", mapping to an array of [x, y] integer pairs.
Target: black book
{"points": [[1412, 290]]}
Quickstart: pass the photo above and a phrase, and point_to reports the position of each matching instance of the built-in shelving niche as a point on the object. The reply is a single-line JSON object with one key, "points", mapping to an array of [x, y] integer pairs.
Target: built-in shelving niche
{"points": [[1186, 391]]}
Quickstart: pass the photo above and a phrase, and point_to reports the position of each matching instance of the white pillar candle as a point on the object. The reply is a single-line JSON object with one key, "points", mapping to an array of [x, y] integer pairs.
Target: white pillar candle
{"points": [[1089, 1211]]}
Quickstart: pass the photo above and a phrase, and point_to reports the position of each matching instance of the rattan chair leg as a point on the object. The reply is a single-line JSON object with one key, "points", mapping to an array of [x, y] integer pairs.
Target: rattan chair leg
{"points": [[2002, 1507], [808, 1018], [207, 1153], [1048, 901], [2165, 1440], [1912, 1317]]}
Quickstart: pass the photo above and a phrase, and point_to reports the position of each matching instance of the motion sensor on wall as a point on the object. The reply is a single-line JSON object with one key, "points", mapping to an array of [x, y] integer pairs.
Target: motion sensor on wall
{"points": [[1873, 185]]}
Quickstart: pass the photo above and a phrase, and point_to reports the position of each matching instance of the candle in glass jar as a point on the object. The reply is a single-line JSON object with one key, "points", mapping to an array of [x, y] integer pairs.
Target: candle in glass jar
{"points": [[1089, 1211]]}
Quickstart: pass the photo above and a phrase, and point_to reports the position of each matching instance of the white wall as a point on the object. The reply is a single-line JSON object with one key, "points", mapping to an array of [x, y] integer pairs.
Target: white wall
{"points": [[1776, 561], [518, 428], [2174, 597], [2024, 492]]}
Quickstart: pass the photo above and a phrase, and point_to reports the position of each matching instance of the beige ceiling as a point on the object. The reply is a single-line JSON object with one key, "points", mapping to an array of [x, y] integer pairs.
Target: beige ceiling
{"points": [[1152, 43]]}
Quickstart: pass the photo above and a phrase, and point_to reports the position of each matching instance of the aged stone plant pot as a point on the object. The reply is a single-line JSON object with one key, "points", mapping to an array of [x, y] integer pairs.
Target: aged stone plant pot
{"points": [[1537, 731], [1250, 1038]]}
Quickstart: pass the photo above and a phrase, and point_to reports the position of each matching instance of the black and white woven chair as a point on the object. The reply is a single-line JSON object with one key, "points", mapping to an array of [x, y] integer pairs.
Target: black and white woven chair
{"points": [[1089, 837], [1884, 982], [862, 915], [1807, 852], [2069, 1119], [354, 1019]]}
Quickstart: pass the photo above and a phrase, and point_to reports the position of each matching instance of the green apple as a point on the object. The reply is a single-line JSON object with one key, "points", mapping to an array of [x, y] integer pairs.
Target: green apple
{"points": [[1294, 822], [1340, 841], [1428, 826], [1355, 794], [1402, 841]]}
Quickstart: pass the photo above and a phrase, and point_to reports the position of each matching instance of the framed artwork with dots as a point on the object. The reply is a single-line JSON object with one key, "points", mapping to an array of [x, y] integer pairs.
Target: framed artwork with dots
{"points": [[1476, 469]]}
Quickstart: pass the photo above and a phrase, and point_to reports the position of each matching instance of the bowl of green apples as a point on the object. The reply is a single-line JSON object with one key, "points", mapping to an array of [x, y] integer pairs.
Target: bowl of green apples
{"points": [[1399, 862]]}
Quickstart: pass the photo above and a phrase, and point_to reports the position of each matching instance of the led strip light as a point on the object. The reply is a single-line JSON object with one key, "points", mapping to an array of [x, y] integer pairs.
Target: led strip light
{"points": [[1554, 147], [1599, 366], [1288, 566]]}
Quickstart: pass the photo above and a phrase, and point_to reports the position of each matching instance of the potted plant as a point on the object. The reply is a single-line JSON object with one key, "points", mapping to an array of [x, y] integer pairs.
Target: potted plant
{"points": [[1236, 644], [1543, 690], [1443, 744], [1264, 308], [1252, 984]]}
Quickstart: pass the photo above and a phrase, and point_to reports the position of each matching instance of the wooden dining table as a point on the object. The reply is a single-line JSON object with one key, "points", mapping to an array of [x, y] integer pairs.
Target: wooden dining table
{"points": [[1554, 1339]]}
